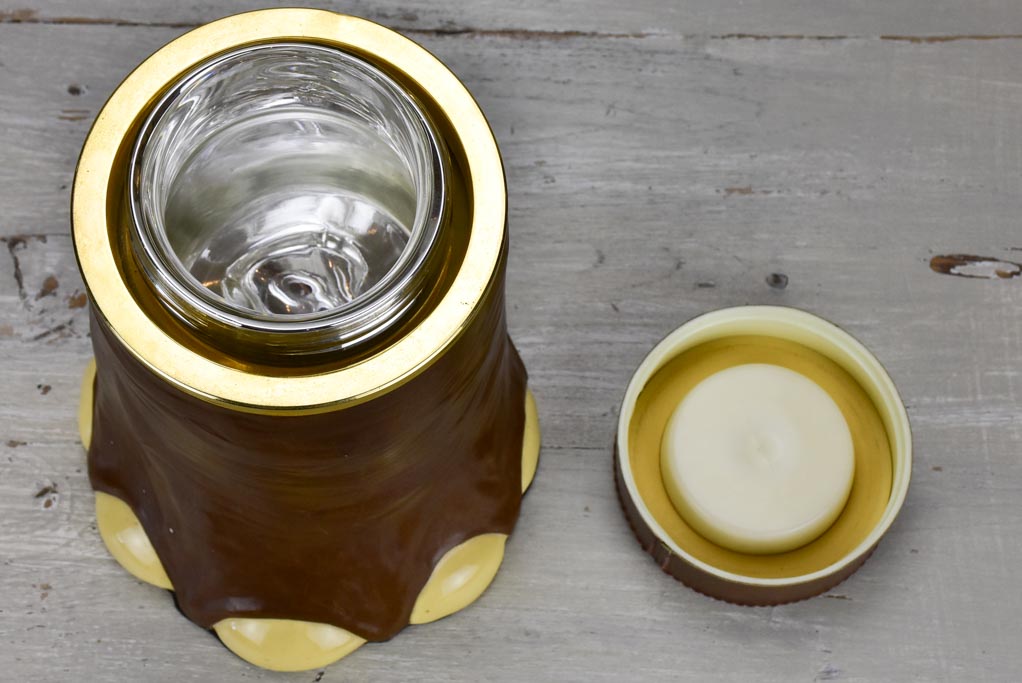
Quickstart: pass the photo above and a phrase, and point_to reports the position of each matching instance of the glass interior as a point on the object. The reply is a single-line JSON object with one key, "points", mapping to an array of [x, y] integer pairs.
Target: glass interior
{"points": [[287, 187]]}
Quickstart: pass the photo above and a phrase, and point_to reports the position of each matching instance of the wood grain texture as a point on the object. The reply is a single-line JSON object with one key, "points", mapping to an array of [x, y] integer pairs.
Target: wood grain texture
{"points": [[651, 179], [692, 17]]}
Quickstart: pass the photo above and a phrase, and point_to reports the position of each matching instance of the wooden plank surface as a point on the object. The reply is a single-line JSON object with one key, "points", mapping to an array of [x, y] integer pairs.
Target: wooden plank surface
{"points": [[692, 17], [651, 178]]}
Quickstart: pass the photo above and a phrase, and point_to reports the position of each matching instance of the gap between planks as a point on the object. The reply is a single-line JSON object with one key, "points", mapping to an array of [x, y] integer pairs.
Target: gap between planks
{"points": [[29, 16]]}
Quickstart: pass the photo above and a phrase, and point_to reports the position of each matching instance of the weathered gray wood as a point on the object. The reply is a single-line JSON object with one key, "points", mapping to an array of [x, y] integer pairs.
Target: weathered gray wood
{"points": [[650, 179], [693, 17]]}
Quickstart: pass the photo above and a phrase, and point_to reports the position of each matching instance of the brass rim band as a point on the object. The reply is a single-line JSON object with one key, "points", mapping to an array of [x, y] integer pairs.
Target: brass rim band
{"points": [[251, 389]]}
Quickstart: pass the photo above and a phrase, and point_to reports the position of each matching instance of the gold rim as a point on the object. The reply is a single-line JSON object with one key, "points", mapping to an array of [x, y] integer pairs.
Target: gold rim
{"points": [[193, 372]]}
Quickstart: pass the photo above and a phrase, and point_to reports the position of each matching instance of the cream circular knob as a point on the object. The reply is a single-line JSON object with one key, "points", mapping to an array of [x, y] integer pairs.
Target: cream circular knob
{"points": [[758, 458]]}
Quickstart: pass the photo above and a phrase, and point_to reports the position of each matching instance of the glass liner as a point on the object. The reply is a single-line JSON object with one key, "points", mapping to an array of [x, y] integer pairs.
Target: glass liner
{"points": [[287, 188]]}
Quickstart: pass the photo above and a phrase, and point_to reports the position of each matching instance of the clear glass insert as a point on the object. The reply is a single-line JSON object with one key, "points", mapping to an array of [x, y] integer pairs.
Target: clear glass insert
{"points": [[287, 188]]}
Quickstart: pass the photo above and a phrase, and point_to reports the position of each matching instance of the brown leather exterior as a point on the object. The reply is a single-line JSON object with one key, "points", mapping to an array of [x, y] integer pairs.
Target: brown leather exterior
{"points": [[336, 518], [714, 586]]}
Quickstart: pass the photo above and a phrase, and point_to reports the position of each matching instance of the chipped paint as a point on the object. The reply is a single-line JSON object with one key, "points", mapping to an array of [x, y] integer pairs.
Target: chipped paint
{"points": [[977, 267]]}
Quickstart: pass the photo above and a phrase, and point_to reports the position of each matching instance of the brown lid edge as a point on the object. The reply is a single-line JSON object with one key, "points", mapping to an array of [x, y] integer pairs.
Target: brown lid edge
{"points": [[714, 586]]}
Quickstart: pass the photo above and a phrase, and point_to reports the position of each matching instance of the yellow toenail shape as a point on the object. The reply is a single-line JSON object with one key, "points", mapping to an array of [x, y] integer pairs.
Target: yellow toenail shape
{"points": [[459, 578], [85, 403], [127, 541], [286, 645], [530, 441]]}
